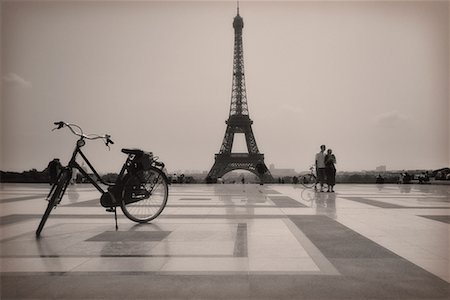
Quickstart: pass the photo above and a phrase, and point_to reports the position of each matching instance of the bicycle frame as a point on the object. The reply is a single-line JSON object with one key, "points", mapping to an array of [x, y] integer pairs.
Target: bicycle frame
{"points": [[73, 164]]}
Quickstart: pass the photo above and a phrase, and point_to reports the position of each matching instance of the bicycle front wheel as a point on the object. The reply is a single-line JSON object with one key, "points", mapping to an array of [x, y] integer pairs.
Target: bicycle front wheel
{"points": [[308, 180], [145, 195]]}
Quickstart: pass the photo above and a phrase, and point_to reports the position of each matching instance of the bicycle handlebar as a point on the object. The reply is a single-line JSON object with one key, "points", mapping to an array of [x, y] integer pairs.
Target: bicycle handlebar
{"points": [[106, 138], [159, 164], [60, 125]]}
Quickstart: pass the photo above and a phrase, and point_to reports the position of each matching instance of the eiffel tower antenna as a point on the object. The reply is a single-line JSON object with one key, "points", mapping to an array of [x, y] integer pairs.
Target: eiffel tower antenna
{"points": [[239, 122]]}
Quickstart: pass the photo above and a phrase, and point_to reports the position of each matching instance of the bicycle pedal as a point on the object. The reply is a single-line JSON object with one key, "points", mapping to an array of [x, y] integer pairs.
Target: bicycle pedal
{"points": [[110, 209]]}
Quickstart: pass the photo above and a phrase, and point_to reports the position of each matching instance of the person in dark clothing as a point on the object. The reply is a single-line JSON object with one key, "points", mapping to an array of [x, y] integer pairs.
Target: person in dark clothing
{"points": [[320, 166], [380, 179], [330, 170], [54, 167]]}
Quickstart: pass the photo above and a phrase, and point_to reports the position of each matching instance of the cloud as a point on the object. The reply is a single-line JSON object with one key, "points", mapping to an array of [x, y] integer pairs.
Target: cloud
{"points": [[17, 81], [390, 119]]}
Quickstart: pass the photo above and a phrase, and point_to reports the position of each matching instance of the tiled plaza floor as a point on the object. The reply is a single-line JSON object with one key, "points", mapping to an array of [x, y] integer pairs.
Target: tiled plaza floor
{"points": [[231, 242]]}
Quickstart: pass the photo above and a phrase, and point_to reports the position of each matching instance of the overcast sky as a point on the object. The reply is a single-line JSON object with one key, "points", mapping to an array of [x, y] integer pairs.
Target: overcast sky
{"points": [[369, 80]]}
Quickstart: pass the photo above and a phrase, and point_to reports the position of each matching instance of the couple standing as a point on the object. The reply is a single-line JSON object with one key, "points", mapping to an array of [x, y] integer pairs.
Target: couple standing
{"points": [[325, 168]]}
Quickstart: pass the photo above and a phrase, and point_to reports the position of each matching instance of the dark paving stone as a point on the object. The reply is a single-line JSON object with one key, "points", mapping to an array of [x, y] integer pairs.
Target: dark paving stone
{"points": [[335, 240], [433, 199], [71, 216], [11, 219], [240, 245], [270, 191], [258, 200], [195, 199], [285, 201], [376, 203], [123, 236], [126, 248], [370, 270], [23, 287], [220, 205], [334, 287], [309, 287], [382, 204], [444, 219], [397, 277], [111, 286], [37, 196], [120, 216], [223, 216], [87, 203], [229, 195], [158, 286]]}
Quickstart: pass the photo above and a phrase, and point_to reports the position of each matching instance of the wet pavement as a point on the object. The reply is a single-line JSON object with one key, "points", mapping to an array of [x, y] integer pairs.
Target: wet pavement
{"points": [[231, 242]]}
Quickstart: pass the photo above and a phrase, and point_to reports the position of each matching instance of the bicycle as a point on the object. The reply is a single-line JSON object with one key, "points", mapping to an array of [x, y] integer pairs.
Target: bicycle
{"points": [[310, 180], [141, 189]]}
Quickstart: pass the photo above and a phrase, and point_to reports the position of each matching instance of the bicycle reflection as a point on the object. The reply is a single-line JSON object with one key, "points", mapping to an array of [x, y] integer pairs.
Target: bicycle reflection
{"points": [[324, 203], [72, 193], [136, 248]]}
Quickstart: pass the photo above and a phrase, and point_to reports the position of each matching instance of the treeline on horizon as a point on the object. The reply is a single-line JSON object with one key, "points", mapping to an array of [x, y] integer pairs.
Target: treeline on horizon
{"points": [[35, 176]]}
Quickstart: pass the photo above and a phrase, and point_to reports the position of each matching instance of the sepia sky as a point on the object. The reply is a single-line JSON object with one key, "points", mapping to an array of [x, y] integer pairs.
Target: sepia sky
{"points": [[368, 79]]}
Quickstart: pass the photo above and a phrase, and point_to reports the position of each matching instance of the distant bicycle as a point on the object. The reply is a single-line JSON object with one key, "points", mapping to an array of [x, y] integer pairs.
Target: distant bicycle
{"points": [[310, 180], [141, 189]]}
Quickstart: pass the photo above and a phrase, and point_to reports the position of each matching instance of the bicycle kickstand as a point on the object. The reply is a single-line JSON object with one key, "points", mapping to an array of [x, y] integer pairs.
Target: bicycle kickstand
{"points": [[115, 217]]}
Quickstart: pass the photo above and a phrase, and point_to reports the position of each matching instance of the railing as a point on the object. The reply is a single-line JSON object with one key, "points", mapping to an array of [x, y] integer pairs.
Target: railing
{"points": [[241, 155]]}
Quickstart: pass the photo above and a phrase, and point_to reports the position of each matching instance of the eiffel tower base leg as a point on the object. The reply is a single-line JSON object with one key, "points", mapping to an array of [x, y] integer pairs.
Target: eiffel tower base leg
{"points": [[249, 162]]}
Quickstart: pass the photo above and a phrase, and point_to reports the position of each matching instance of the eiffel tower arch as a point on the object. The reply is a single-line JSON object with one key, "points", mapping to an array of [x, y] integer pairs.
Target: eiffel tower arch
{"points": [[239, 122]]}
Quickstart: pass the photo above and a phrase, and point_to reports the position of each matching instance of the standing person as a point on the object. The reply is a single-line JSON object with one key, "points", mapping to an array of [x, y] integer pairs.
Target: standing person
{"points": [[330, 170], [320, 166]]}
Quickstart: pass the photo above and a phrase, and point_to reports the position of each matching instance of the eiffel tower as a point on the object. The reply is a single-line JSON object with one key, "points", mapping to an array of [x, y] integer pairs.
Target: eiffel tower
{"points": [[239, 122]]}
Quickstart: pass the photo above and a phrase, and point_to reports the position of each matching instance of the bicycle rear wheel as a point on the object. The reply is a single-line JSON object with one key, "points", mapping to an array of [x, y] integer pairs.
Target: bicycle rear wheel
{"points": [[57, 193], [308, 180], [145, 195]]}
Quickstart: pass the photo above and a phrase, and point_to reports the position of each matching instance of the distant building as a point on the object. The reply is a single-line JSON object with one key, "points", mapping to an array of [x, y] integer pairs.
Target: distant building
{"points": [[380, 169], [281, 172]]}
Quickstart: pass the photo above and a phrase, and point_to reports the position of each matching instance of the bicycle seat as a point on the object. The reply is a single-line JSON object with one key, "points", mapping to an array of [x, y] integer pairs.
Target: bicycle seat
{"points": [[132, 151]]}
